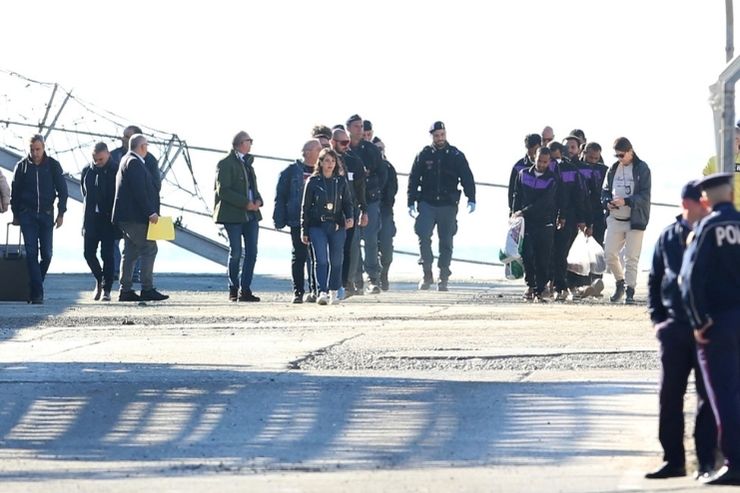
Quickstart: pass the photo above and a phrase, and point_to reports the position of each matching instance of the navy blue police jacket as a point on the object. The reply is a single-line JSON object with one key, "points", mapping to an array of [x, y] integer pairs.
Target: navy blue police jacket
{"points": [[435, 175], [664, 295], [710, 272]]}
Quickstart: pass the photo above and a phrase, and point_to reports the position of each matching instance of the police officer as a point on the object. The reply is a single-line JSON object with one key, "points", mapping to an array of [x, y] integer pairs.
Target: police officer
{"points": [[710, 288], [433, 181], [677, 347]]}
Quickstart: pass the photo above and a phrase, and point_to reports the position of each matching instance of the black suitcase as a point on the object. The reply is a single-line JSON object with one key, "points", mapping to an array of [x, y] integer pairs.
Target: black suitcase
{"points": [[14, 280]]}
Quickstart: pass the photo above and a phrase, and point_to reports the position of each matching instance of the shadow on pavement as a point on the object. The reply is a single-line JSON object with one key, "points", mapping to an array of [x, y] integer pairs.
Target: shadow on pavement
{"points": [[162, 420]]}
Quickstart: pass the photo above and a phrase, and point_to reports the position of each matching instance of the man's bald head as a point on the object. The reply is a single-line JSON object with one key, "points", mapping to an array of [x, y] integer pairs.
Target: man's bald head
{"points": [[311, 151]]}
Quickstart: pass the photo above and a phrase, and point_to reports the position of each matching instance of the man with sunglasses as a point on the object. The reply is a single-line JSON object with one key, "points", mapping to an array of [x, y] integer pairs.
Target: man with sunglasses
{"points": [[626, 195], [354, 173]]}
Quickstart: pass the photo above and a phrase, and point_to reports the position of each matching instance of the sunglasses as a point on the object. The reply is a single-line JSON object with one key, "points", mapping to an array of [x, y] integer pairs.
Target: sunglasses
{"points": [[246, 140], [620, 155], [342, 142]]}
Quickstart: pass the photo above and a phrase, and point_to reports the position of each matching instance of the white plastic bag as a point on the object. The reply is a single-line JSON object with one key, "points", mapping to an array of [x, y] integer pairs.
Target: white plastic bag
{"points": [[514, 240], [578, 257], [596, 257]]}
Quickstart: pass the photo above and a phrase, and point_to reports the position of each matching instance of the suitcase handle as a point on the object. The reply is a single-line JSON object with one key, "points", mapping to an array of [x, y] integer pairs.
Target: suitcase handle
{"points": [[6, 254]]}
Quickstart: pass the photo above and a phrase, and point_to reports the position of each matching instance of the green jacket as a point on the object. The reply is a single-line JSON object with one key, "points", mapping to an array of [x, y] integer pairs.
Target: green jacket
{"points": [[233, 179]]}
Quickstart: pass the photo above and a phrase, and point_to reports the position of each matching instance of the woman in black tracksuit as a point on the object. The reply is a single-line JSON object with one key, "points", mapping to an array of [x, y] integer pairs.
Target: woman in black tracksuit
{"points": [[327, 212]]}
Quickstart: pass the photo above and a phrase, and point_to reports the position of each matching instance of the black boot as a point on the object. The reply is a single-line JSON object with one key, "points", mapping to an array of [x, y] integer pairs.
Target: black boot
{"points": [[384, 284], [618, 292], [233, 293], [630, 298], [426, 283]]}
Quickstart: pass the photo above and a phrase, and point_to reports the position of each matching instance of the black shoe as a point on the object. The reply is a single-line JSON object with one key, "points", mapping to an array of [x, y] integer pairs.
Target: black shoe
{"points": [[233, 293], [98, 290], [298, 298], [704, 472], [618, 292], [128, 296], [152, 295], [247, 296], [630, 298], [725, 475], [106, 295], [37, 301], [667, 470], [384, 284], [442, 286]]}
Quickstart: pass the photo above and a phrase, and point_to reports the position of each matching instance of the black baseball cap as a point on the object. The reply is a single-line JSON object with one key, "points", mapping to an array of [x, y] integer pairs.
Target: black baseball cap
{"points": [[436, 126], [367, 125], [691, 191]]}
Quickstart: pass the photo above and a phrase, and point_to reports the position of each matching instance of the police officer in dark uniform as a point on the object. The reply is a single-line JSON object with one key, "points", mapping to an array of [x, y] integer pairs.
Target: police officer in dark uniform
{"points": [[677, 347], [433, 181], [710, 288]]}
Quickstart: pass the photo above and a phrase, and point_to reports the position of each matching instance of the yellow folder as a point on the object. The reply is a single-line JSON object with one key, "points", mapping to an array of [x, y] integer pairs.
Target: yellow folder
{"points": [[163, 230]]}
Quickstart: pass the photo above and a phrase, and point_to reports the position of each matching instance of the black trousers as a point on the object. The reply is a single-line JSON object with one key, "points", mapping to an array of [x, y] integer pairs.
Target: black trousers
{"points": [[562, 241], [678, 357], [536, 256], [302, 261], [100, 231]]}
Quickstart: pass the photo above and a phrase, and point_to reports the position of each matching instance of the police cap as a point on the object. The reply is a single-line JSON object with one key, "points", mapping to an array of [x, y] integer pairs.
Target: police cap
{"points": [[436, 126], [367, 125], [691, 191], [715, 180], [353, 118]]}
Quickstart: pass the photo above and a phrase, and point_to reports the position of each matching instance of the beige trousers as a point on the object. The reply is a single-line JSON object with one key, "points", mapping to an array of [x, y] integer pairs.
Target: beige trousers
{"points": [[619, 234]]}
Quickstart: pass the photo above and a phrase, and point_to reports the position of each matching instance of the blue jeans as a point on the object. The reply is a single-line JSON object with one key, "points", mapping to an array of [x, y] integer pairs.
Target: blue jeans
{"points": [[250, 232], [38, 236], [328, 246]]}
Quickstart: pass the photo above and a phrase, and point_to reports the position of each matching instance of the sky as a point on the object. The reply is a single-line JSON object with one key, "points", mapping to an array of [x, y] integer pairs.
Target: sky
{"points": [[491, 71]]}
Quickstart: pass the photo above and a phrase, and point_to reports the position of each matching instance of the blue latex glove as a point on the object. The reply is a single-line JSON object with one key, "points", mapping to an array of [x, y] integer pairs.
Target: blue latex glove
{"points": [[471, 207], [412, 211]]}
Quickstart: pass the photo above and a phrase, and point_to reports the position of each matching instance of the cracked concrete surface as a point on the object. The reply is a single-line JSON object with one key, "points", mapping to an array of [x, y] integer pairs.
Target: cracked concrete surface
{"points": [[469, 390]]}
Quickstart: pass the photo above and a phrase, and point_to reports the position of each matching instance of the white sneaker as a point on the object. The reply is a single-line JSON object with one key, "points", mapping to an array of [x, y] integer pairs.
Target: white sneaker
{"points": [[323, 298], [333, 298]]}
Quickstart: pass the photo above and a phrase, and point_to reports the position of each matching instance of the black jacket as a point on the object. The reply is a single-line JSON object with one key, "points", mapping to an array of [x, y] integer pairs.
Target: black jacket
{"points": [[136, 195], [639, 201], [98, 186], [536, 196], [572, 193], [151, 162], [325, 200], [391, 188], [435, 174], [36, 187], [356, 177], [664, 295], [523, 163], [376, 173], [593, 176]]}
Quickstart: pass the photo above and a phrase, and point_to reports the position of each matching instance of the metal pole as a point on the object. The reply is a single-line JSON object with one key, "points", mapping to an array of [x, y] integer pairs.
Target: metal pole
{"points": [[54, 122], [730, 34], [48, 107]]}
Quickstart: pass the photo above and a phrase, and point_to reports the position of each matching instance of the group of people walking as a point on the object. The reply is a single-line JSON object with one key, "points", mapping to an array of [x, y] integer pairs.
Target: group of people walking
{"points": [[121, 191], [561, 188]]}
